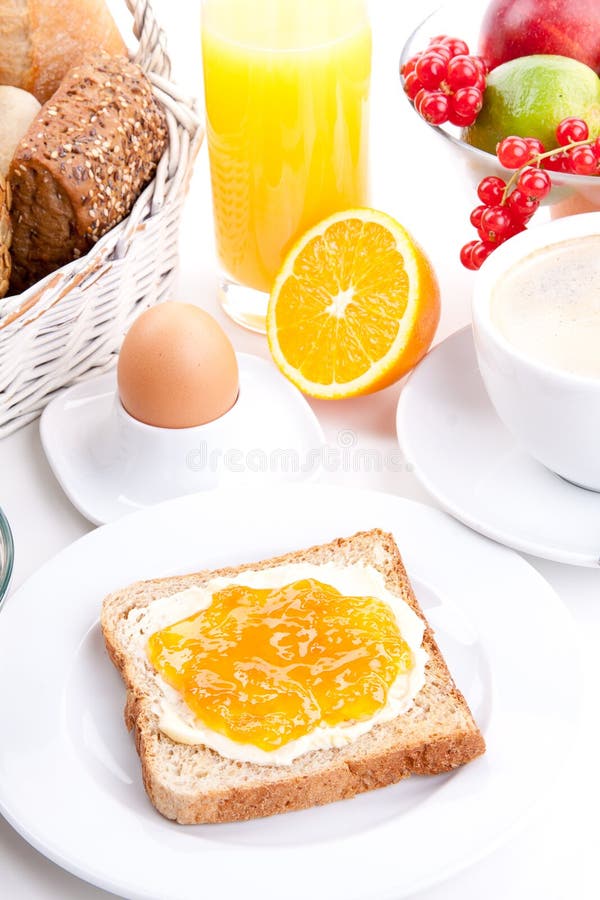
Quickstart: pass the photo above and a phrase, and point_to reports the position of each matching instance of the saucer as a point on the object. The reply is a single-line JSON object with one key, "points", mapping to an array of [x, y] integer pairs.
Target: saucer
{"points": [[107, 468], [472, 465]]}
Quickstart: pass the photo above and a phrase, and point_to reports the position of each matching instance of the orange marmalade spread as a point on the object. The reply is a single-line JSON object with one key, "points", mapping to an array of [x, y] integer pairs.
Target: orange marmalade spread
{"points": [[265, 666]]}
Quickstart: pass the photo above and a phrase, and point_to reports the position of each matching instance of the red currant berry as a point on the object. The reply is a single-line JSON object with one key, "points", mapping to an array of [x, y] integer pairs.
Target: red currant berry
{"points": [[476, 216], [571, 130], [442, 50], [518, 227], [491, 190], [459, 119], [480, 84], [557, 163], [409, 65], [513, 152], [457, 47], [466, 255], [467, 102], [596, 147], [496, 223], [480, 253], [462, 72], [431, 70], [535, 146], [535, 183], [481, 64], [433, 106], [412, 85], [583, 160], [521, 206]]}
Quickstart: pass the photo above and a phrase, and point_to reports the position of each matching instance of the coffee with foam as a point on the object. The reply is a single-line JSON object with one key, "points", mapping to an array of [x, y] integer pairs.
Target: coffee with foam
{"points": [[548, 306]]}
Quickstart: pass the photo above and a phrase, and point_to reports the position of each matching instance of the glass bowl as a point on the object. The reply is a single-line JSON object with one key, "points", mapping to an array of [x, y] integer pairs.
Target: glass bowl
{"points": [[6, 556], [570, 193]]}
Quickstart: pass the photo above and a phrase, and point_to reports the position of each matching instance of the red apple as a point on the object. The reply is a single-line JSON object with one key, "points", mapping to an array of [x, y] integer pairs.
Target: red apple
{"points": [[512, 28]]}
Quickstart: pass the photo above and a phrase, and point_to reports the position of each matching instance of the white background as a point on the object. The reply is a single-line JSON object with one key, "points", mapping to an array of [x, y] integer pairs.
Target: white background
{"points": [[415, 180]]}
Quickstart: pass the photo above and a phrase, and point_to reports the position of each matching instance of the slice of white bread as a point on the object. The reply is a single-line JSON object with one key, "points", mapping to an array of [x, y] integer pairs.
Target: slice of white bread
{"points": [[193, 784]]}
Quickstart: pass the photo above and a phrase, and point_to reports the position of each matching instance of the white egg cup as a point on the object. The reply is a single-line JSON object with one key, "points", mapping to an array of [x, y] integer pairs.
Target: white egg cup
{"points": [[177, 457], [109, 463]]}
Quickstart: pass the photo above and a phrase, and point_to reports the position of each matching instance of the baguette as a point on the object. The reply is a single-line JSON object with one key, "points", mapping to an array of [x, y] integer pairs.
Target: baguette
{"points": [[194, 784], [82, 164], [40, 40]]}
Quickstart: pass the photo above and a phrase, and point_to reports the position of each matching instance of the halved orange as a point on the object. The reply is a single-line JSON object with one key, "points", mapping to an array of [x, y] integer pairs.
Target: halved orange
{"points": [[354, 307]]}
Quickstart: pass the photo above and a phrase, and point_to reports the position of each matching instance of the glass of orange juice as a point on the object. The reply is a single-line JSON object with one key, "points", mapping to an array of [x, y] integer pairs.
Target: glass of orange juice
{"points": [[287, 87]]}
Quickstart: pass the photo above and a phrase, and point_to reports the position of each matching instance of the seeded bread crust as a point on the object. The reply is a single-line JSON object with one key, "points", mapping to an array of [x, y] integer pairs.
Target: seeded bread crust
{"points": [[5, 236], [82, 164], [194, 785]]}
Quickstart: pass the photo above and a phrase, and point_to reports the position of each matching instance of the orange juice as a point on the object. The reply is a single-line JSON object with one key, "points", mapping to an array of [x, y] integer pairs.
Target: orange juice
{"points": [[286, 85]]}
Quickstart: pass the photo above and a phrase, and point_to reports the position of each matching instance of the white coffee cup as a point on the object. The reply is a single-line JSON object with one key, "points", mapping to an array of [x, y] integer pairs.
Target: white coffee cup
{"points": [[554, 414]]}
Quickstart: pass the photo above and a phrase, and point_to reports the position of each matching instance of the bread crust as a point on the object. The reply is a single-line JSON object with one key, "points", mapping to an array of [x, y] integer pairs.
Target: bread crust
{"points": [[5, 236], [82, 164], [17, 111], [437, 735], [40, 40]]}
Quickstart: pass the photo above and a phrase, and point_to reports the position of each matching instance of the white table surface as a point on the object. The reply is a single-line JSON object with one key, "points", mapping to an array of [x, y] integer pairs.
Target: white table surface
{"points": [[553, 855]]}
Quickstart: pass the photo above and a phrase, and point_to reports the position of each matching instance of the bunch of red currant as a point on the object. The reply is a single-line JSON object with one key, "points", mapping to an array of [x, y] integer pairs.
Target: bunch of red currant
{"points": [[576, 154], [445, 82], [507, 207]]}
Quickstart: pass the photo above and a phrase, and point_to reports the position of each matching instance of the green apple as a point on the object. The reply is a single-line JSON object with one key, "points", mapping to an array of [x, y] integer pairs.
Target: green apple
{"points": [[529, 96]]}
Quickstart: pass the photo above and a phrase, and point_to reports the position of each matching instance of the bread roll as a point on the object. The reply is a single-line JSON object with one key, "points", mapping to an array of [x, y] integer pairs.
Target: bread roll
{"points": [[40, 40], [18, 109], [5, 236], [84, 161]]}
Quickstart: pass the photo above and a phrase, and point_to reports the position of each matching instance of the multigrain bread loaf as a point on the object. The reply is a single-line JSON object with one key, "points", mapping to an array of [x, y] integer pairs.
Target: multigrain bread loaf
{"points": [[5, 236], [193, 784], [82, 164], [40, 40]]}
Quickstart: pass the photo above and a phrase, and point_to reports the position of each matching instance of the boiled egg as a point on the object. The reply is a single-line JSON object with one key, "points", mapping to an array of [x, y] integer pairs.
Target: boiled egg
{"points": [[177, 368]]}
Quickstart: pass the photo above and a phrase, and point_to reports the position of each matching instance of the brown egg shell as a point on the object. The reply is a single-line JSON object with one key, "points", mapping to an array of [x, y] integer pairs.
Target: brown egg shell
{"points": [[177, 368]]}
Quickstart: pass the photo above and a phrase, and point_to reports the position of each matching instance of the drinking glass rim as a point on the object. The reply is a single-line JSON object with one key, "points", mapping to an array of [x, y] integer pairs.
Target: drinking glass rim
{"points": [[262, 48]]}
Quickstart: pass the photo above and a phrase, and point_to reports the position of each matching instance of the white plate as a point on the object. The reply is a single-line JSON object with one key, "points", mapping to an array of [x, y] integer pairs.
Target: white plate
{"points": [[271, 434], [70, 779], [466, 458]]}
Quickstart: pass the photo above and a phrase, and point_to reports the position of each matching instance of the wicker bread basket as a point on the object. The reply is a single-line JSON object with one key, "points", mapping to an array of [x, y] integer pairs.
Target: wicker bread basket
{"points": [[72, 323]]}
